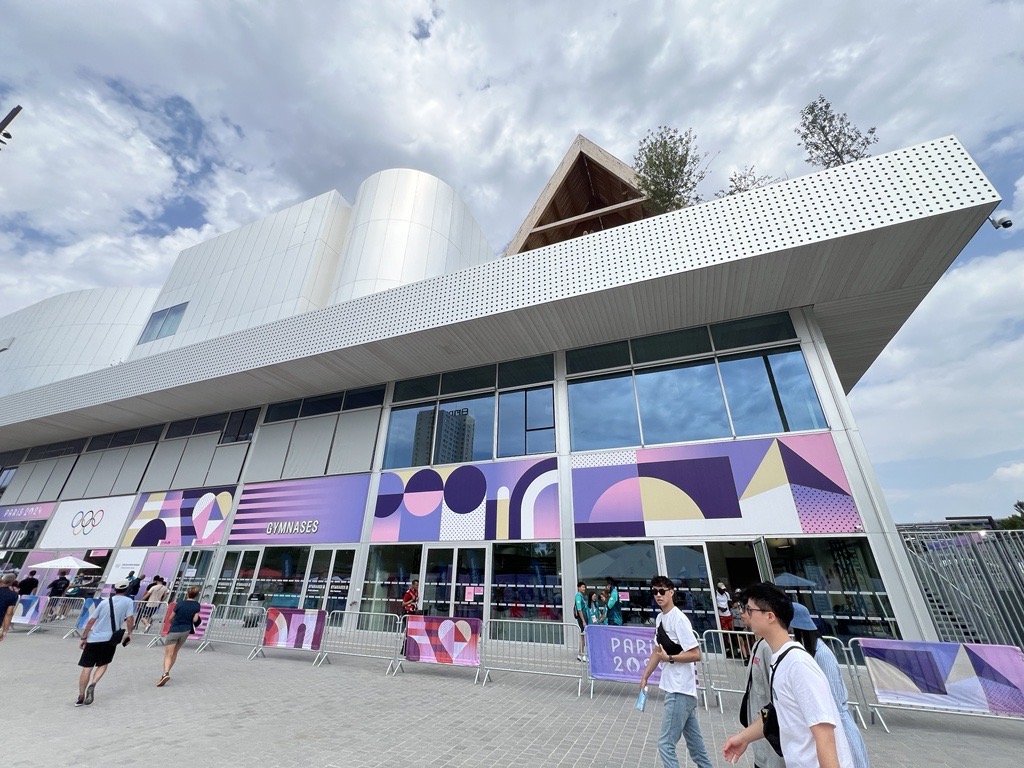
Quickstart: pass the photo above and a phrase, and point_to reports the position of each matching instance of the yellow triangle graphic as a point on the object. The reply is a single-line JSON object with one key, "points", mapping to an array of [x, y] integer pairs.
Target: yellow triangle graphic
{"points": [[770, 475]]}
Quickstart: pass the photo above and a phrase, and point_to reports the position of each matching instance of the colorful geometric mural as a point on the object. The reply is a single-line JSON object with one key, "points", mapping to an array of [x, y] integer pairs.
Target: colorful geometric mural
{"points": [[438, 640], [294, 628], [964, 677], [195, 517], [498, 501], [315, 510], [775, 485]]}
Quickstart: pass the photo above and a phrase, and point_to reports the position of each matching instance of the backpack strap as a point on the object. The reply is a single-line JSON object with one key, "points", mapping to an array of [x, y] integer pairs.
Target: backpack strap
{"points": [[113, 627], [775, 664]]}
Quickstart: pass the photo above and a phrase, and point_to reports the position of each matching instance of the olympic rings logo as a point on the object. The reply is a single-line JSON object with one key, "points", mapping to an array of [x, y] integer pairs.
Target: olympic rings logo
{"points": [[85, 521]]}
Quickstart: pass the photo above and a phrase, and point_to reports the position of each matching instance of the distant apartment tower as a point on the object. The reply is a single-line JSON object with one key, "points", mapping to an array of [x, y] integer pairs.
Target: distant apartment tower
{"points": [[454, 442]]}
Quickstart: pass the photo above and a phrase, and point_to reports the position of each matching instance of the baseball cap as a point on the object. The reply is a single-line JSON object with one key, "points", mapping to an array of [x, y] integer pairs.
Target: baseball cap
{"points": [[121, 586], [721, 585]]}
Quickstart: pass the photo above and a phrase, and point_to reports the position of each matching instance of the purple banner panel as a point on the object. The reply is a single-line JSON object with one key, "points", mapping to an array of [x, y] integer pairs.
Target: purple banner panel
{"points": [[620, 654], [792, 484], [189, 518], [440, 640], [957, 676], [294, 628], [316, 510], [26, 512], [28, 609]]}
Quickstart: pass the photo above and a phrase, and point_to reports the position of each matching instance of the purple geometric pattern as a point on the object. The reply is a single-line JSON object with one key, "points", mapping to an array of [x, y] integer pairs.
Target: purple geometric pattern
{"points": [[824, 512], [181, 518]]}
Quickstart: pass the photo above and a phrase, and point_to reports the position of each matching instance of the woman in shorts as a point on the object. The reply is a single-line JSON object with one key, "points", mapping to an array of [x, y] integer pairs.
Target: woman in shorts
{"points": [[183, 622]]}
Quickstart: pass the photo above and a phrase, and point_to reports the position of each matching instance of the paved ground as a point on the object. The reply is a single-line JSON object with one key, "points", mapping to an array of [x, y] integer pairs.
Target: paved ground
{"points": [[221, 710]]}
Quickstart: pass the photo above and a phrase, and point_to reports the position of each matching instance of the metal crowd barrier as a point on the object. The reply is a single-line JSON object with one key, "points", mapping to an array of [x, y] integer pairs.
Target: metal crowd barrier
{"points": [[236, 625], [723, 674], [60, 613], [361, 633], [530, 647], [152, 614], [851, 674]]}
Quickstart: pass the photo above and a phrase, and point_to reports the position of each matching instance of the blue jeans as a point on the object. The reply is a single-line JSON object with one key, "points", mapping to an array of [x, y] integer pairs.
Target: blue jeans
{"points": [[680, 719]]}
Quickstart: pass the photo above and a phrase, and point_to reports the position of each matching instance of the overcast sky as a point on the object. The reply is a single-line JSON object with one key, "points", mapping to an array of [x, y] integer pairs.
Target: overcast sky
{"points": [[150, 127]]}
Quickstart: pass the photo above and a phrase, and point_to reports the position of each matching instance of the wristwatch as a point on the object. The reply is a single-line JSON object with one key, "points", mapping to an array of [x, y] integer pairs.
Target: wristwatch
{"points": [[670, 659]]}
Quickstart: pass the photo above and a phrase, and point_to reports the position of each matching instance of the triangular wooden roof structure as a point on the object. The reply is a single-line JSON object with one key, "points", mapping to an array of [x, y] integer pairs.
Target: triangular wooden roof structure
{"points": [[590, 190]]}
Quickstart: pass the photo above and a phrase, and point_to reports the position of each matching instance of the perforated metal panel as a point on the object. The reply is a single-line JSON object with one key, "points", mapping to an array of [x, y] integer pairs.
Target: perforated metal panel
{"points": [[884, 225]]}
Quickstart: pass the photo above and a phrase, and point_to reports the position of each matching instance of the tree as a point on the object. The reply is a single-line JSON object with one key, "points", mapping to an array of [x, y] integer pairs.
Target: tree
{"points": [[669, 166], [831, 139], [746, 180], [1014, 522]]}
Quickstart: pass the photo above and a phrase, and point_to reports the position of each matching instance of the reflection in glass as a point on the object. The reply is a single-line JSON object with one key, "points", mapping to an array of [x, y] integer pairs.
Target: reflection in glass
{"points": [[688, 570], [665, 346], [281, 573], [838, 581], [751, 400], [597, 357], [630, 563], [682, 403], [410, 431], [465, 430], [529, 370], [602, 413], [470, 574], [390, 570], [436, 587], [799, 400], [753, 330], [526, 581], [526, 422]]}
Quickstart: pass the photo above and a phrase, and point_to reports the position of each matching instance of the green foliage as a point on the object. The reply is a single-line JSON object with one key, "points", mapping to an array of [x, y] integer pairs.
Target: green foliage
{"points": [[1014, 522], [669, 166], [829, 138], [746, 180]]}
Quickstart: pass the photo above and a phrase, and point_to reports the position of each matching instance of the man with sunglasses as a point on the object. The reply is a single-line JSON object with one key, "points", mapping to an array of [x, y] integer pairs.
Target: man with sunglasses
{"points": [[807, 715], [676, 649]]}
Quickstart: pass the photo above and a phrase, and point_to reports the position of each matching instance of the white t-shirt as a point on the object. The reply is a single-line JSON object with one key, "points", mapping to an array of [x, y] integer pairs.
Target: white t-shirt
{"points": [[803, 699], [722, 599], [678, 677]]}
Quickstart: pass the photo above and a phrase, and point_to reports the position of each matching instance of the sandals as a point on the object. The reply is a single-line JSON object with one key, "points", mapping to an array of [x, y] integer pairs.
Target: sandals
{"points": [[163, 680]]}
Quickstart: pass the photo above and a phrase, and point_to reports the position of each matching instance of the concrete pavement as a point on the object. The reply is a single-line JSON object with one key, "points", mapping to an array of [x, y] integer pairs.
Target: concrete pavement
{"points": [[221, 710]]}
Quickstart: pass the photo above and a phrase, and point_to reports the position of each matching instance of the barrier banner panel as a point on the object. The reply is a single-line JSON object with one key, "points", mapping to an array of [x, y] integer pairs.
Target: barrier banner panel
{"points": [[28, 609], [440, 640], [620, 654], [294, 628], [988, 679], [88, 611]]}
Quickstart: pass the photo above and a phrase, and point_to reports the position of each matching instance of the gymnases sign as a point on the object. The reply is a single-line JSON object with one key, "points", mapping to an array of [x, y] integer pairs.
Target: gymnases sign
{"points": [[88, 524]]}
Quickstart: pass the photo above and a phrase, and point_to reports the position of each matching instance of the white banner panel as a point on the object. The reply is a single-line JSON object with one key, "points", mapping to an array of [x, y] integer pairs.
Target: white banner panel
{"points": [[126, 561], [88, 524]]}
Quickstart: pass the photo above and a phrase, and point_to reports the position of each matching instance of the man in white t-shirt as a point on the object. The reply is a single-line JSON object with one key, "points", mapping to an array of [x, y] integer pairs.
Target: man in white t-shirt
{"points": [[676, 650], [809, 724]]}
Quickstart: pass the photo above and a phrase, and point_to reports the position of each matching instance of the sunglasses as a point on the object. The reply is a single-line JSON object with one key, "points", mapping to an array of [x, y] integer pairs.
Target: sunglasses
{"points": [[660, 591]]}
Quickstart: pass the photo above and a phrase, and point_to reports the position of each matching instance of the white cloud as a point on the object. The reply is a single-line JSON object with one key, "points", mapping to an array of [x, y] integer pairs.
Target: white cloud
{"points": [[1010, 472]]}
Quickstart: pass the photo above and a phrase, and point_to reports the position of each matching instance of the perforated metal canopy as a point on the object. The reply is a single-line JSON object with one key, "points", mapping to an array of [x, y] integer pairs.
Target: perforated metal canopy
{"points": [[862, 244]]}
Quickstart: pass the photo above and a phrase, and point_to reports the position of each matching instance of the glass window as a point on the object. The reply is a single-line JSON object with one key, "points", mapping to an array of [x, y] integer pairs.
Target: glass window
{"points": [[121, 439], [529, 370], [414, 389], [280, 576], [681, 403], [688, 570], [526, 422], [598, 357], [100, 442], [213, 423], [751, 398], [410, 435], [390, 570], [240, 426], [799, 400], [282, 411], [753, 330], [630, 563], [602, 413], [467, 379], [6, 475], [839, 583], [172, 321], [665, 346], [321, 404], [150, 434], [181, 428], [163, 323], [465, 430], [366, 397], [526, 581], [152, 328]]}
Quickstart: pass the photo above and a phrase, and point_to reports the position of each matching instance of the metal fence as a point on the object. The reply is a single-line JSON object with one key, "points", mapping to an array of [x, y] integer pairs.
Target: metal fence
{"points": [[851, 672], [149, 614], [236, 625], [359, 633], [60, 613], [722, 662], [973, 582], [530, 647]]}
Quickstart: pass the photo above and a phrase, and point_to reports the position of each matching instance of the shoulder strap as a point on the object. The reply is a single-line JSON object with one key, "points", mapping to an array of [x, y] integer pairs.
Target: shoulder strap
{"points": [[775, 664], [113, 627]]}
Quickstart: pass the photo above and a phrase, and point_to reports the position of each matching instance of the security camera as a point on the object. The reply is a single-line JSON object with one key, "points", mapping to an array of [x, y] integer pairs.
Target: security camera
{"points": [[1001, 222]]}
